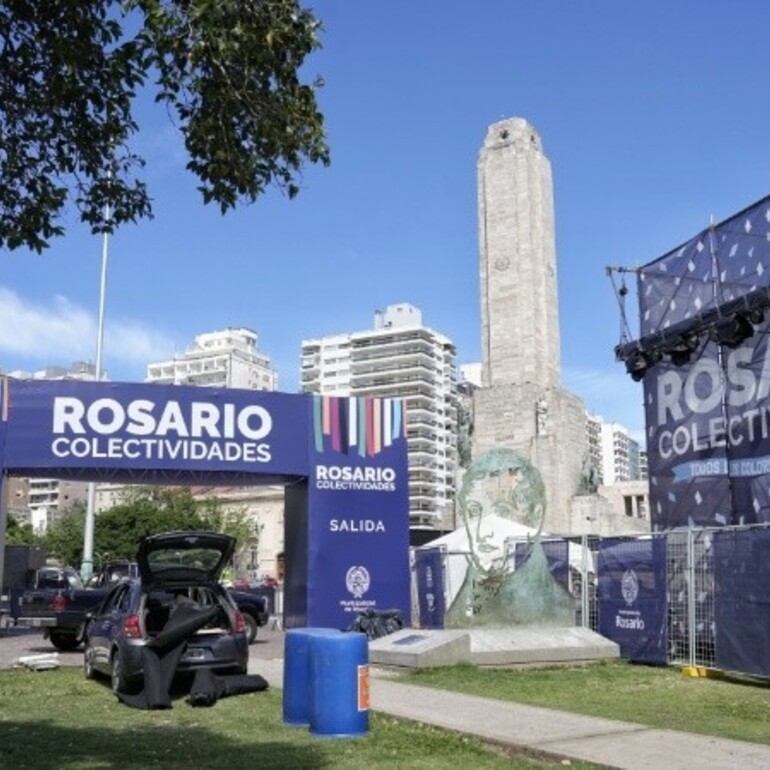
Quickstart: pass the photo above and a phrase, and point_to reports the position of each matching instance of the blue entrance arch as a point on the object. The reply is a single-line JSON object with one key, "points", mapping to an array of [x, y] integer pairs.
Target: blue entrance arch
{"points": [[343, 463]]}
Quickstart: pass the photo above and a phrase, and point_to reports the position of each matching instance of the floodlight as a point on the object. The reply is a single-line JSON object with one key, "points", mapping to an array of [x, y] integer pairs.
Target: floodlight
{"points": [[639, 361], [733, 331], [681, 350]]}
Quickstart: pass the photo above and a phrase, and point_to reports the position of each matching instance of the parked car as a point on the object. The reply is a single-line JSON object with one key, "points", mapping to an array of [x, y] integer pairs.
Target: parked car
{"points": [[56, 577], [113, 572], [255, 610], [176, 569]]}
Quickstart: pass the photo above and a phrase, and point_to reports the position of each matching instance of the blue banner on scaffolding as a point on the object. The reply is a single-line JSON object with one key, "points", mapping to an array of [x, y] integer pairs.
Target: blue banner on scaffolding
{"points": [[632, 597], [704, 357], [429, 566], [742, 601]]}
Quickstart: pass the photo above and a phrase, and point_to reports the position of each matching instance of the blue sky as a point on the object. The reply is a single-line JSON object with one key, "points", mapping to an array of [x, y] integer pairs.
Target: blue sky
{"points": [[655, 116]]}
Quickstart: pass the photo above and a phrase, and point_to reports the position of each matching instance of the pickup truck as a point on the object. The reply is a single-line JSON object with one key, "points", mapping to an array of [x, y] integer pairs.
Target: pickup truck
{"points": [[58, 602]]}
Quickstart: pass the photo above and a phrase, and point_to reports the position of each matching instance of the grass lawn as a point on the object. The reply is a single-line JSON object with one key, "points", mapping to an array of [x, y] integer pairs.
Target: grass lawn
{"points": [[58, 720], [658, 697]]}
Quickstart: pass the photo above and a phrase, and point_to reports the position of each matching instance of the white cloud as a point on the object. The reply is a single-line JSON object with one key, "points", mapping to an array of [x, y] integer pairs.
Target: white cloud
{"points": [[59, 332]]}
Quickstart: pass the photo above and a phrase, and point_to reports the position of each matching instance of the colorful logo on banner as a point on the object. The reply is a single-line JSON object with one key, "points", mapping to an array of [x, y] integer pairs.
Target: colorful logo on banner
{"points": [[360, 426]]}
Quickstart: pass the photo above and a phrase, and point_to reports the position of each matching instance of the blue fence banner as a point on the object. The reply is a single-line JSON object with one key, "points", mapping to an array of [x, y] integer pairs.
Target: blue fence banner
{"points": [[429, 566], [742, 601], [556, 554], [632, 597]]}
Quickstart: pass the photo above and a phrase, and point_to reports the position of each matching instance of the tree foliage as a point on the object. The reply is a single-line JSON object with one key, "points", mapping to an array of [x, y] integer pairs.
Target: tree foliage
{"points": [[227, 71], [63, 540], [18, 533], [144, 511]]}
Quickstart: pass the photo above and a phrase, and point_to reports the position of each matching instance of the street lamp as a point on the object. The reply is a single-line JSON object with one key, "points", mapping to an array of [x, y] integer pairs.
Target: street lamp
{"points": [[87, 566]]}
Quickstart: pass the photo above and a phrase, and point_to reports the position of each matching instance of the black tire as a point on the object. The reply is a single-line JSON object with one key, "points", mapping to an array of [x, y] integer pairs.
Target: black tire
{"points": [[118, 678], [65, 641], [88, 664], [251, 628]]}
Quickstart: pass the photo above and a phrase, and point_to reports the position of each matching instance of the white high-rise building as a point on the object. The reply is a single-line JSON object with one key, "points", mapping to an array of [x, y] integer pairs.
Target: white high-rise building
{"points": [[222, 359], [400, 358], [622, 457], [613, 453], [594, 439]]}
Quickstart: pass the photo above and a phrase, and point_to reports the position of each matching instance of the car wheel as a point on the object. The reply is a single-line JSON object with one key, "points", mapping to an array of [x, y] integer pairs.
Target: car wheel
{"points": [[64, 640], [88, 664], [251, 628]]}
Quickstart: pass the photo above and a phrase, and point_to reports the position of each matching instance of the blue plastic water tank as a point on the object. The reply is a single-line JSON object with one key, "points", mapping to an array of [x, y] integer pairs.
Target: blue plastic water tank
{"points": [[297, 683], [339, 673]]}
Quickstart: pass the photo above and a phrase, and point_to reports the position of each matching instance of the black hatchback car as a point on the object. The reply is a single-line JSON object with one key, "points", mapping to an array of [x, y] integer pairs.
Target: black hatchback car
{"points": [[178, 574]]}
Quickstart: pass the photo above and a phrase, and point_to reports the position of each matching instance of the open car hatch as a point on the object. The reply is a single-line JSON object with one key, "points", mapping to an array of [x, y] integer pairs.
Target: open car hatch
{"points": [[192, 557]]}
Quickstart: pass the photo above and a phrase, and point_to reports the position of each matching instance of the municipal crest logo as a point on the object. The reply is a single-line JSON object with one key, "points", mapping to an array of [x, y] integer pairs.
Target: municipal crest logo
{"points": [[357, 581], [629, 586]]}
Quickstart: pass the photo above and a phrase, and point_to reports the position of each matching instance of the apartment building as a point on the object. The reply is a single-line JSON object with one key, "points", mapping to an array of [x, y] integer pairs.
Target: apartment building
{"points": [[622, 457], [220, 359], [40, 502], [594, 440], [400, 358]]}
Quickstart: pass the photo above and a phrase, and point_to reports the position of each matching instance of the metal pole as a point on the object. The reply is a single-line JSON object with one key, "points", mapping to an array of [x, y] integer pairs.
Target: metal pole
{"points": [[3, 522], [87, 567], [691, 619], [584, 581]]}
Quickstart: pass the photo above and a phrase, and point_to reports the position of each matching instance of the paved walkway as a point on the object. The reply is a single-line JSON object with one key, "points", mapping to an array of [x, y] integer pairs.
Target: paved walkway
{"points": [[548, 732]]}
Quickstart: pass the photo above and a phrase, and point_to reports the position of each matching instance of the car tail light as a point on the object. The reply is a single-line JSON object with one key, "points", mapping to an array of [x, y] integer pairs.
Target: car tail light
{"points": [[240, 622], [132, 628], [58, 603]]}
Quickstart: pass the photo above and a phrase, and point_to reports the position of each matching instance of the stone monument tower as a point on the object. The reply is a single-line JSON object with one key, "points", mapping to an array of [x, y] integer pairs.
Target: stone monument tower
{"points": [[521, 404]]}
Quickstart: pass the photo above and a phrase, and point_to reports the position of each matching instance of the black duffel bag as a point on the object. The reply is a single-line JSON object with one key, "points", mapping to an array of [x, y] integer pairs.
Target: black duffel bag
{"points": [[376, 623]]}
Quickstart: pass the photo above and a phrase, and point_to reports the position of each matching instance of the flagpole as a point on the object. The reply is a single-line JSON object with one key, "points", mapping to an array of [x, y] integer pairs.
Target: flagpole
{"points": [[87, 567]]}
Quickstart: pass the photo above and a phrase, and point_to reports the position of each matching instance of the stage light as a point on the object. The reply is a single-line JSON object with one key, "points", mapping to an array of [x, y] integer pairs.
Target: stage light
{"points": [[639, 361], [681, 350], [733, 331]]}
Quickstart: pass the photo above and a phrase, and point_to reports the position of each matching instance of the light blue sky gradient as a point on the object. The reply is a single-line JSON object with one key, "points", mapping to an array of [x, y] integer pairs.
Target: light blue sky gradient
{"points": [[655, 116]]}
